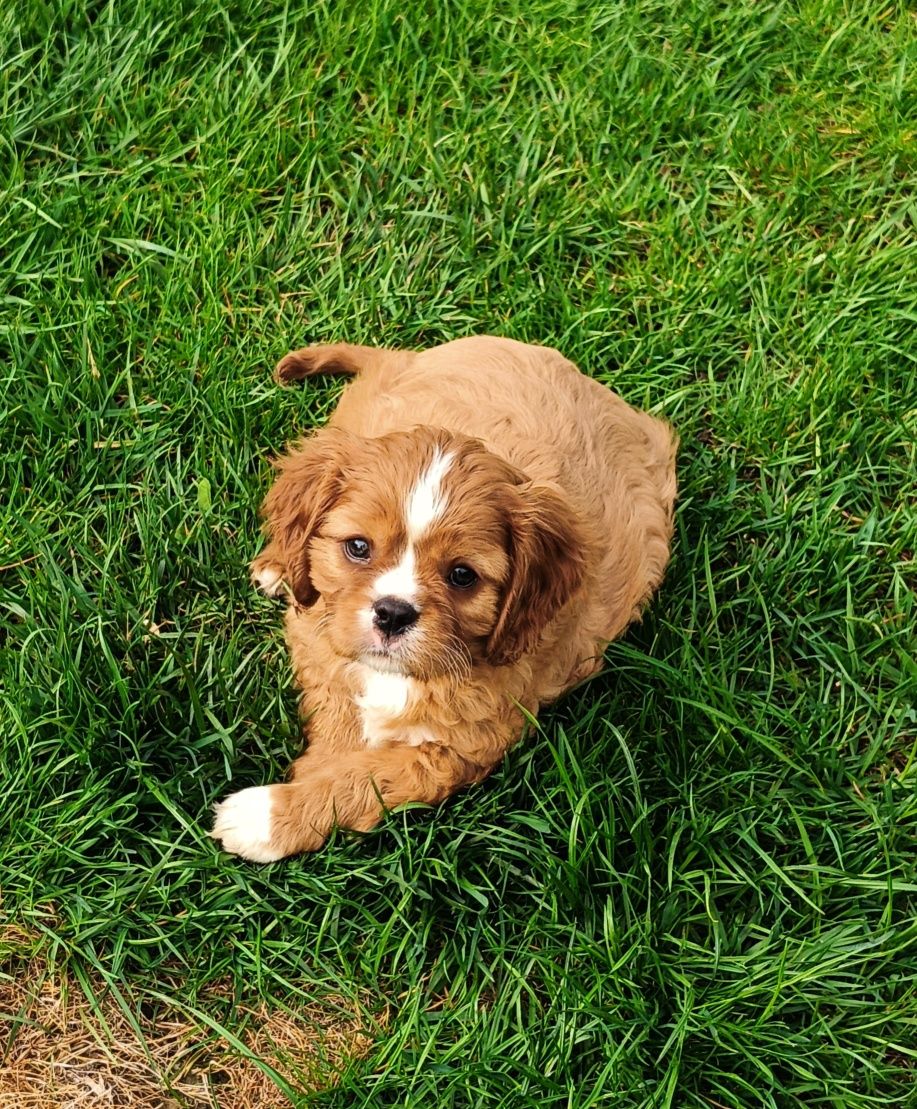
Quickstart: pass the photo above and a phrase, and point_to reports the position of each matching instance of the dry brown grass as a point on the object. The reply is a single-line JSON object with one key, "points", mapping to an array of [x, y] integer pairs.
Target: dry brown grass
{"points": [[63, 1050]]}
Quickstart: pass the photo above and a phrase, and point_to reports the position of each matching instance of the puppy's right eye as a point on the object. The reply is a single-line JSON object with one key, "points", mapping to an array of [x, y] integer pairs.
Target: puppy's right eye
{"points": [[357, 550]]}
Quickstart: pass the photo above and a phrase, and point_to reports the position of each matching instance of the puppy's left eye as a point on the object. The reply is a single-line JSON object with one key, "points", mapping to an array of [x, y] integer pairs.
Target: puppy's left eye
{"points": [[462, 577]]}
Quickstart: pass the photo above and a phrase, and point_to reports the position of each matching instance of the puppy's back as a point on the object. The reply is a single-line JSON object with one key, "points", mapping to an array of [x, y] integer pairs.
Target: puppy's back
{"points": [[527, 403]]}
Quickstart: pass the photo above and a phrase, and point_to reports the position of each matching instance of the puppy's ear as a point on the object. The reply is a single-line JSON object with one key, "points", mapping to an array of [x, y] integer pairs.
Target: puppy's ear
{"points": [[547, 566], [309, 481]]}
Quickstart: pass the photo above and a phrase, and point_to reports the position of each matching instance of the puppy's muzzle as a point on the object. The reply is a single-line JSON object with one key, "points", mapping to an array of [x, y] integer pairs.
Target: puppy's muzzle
{"points": [[393, 616]]}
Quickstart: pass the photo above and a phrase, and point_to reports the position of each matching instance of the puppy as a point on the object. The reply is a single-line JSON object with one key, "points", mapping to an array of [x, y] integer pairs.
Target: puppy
{"points": [[459, 545]]}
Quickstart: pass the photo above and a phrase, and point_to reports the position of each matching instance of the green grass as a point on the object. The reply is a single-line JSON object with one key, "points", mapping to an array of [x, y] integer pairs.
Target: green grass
{"points": [[698, 885]]}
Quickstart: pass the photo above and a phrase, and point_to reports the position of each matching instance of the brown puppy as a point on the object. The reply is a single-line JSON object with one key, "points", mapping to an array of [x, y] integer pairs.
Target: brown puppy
{"points": [[472, 528]]}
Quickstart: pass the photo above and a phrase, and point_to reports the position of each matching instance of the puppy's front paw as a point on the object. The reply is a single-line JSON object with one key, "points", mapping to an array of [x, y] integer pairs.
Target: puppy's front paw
{"points": [[267, 575], [244, 825]]}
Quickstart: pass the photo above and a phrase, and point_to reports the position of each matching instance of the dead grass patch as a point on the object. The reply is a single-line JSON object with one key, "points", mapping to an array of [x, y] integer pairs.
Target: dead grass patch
{"points": [[63, 1049]]}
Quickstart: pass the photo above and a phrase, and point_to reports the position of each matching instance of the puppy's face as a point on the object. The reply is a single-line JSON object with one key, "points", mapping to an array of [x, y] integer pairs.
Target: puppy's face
{"points": [[429, 552]]}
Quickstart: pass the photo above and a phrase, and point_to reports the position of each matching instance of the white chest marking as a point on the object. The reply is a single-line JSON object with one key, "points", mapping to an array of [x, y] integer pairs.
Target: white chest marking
{"points": [[384, 693], [383, 700]]}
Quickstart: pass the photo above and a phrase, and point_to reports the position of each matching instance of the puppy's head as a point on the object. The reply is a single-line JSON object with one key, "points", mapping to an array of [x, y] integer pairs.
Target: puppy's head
{"points": [[429, 552]]}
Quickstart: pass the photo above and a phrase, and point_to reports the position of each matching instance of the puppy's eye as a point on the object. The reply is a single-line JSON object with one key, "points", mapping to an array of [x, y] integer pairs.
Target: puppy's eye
{"points": [[462, 577], [357, 550]]}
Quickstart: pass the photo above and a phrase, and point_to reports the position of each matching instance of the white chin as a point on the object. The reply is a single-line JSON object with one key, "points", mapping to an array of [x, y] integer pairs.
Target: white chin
{"points": [[384, 663]]}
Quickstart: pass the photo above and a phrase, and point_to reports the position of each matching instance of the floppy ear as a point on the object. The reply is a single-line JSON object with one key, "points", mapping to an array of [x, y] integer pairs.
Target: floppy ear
{"points": [[547, 566], [309, 481]]}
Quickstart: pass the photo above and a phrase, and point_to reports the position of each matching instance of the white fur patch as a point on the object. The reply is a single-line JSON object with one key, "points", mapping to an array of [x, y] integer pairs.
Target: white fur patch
{"points": [[384, 663], [269, 579], [425, 504], [400, 581], [383, 700], [415, 734], [243, 824], [427, 501], [386, 693]]}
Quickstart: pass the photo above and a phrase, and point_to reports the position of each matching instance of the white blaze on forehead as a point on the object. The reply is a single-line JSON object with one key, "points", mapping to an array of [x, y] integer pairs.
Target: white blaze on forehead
{"points": [[425, 504], [400, 581], [427, 500]]}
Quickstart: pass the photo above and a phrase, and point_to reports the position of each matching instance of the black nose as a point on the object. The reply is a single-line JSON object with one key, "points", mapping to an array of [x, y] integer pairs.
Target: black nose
{"points": [[393, 616]]}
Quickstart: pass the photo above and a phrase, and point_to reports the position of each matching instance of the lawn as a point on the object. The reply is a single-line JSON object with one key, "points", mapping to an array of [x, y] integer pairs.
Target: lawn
{"points": [[696, 884]]}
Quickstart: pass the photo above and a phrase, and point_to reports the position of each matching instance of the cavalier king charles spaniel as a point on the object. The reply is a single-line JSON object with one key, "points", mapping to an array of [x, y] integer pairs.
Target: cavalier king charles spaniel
{"points": [[458, 546]]}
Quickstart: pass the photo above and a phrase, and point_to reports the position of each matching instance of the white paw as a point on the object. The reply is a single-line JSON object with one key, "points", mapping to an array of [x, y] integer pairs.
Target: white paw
{"points": [[269, 578], [243, 824]]}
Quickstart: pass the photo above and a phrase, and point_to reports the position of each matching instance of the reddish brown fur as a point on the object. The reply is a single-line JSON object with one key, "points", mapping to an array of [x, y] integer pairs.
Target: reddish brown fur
{"points": [[558, 494]]}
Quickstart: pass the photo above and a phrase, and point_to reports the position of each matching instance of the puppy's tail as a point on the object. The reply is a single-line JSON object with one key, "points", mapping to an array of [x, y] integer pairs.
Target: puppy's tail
{"points": [[337, 358]]}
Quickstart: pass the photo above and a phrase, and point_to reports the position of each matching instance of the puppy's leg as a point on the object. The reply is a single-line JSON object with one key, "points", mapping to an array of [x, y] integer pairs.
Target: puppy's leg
{"points": [[267, 571], [337, 358], [350, 790]]}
